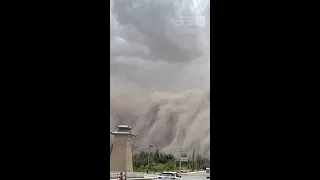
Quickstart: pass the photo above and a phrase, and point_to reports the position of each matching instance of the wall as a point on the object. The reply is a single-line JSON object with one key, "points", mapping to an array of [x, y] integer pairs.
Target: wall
{"points": [[121, 155]]}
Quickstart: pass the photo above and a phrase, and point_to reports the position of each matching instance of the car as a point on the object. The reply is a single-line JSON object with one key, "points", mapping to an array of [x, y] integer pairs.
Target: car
{"points": [[169, 175], [208, 173]]}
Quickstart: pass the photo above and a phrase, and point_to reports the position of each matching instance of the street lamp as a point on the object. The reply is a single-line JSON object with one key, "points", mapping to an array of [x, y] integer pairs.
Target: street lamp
{"points": [[150, 146]]}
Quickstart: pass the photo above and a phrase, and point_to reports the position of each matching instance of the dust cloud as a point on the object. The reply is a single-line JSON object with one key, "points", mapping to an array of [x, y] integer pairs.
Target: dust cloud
{"points": [[160, 74]]}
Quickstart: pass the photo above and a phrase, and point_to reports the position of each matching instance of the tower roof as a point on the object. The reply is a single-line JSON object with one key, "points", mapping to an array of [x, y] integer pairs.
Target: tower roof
{"points": [[123, 129], [124, 126]]}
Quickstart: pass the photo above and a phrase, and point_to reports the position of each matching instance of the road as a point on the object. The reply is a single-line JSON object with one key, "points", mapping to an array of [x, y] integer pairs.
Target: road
{"points": [[192, 176], [195, 176]]}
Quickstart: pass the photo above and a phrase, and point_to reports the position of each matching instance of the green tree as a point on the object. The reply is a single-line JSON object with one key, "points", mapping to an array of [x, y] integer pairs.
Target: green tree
{"points": [[183, 155], [165, 162], [192, 160]]}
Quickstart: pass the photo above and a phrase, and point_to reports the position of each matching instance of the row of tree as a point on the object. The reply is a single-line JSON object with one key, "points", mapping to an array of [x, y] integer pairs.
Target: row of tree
{"points": [[159, 162]]}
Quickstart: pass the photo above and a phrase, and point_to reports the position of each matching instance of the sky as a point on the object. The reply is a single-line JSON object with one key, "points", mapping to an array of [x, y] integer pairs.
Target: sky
{"points": [[160, 73]]}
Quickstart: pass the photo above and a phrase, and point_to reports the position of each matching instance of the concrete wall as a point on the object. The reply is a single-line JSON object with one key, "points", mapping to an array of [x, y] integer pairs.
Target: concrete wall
{"points": [[121, 155]]}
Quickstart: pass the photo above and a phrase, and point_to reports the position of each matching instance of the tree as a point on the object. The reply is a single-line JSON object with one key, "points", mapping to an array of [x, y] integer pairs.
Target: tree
{"points": [[156, 156], [198, 161], [193, 156], [165, 161]]}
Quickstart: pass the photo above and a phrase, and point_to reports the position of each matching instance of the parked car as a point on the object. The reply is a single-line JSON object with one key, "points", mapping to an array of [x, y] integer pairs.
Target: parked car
{"points": [[208, 173], [169, 175]]}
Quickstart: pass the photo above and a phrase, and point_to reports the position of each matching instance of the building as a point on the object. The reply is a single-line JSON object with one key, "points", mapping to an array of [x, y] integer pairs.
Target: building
{"points": [[121, 153]]}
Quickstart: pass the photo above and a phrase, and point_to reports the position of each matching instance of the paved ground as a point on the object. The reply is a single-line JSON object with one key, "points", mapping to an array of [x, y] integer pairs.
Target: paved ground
{"points": [[189, 176], [194, 176]]}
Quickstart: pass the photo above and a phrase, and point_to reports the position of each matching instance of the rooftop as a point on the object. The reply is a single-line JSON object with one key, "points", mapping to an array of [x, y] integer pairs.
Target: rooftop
{"points": [[165, 172], [124, 126], [123, 133], [123, 129]]}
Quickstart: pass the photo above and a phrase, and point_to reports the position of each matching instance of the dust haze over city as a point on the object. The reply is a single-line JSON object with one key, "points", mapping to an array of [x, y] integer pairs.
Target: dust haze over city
{"points": [[160, 73]]}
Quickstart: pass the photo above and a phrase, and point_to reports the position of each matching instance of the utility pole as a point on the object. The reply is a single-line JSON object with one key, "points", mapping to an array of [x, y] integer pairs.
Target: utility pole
{"points": [[149, 157], [193, 160], [180, 158], [148, 161]]}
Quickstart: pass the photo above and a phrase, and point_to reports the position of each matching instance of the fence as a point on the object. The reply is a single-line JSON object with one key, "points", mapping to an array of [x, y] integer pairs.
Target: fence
{"points": [[114, 175]]}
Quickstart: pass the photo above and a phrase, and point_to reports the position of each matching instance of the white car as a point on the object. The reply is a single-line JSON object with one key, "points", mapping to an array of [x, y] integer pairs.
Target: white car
{"points": [[169, 175], [208, 173]]}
